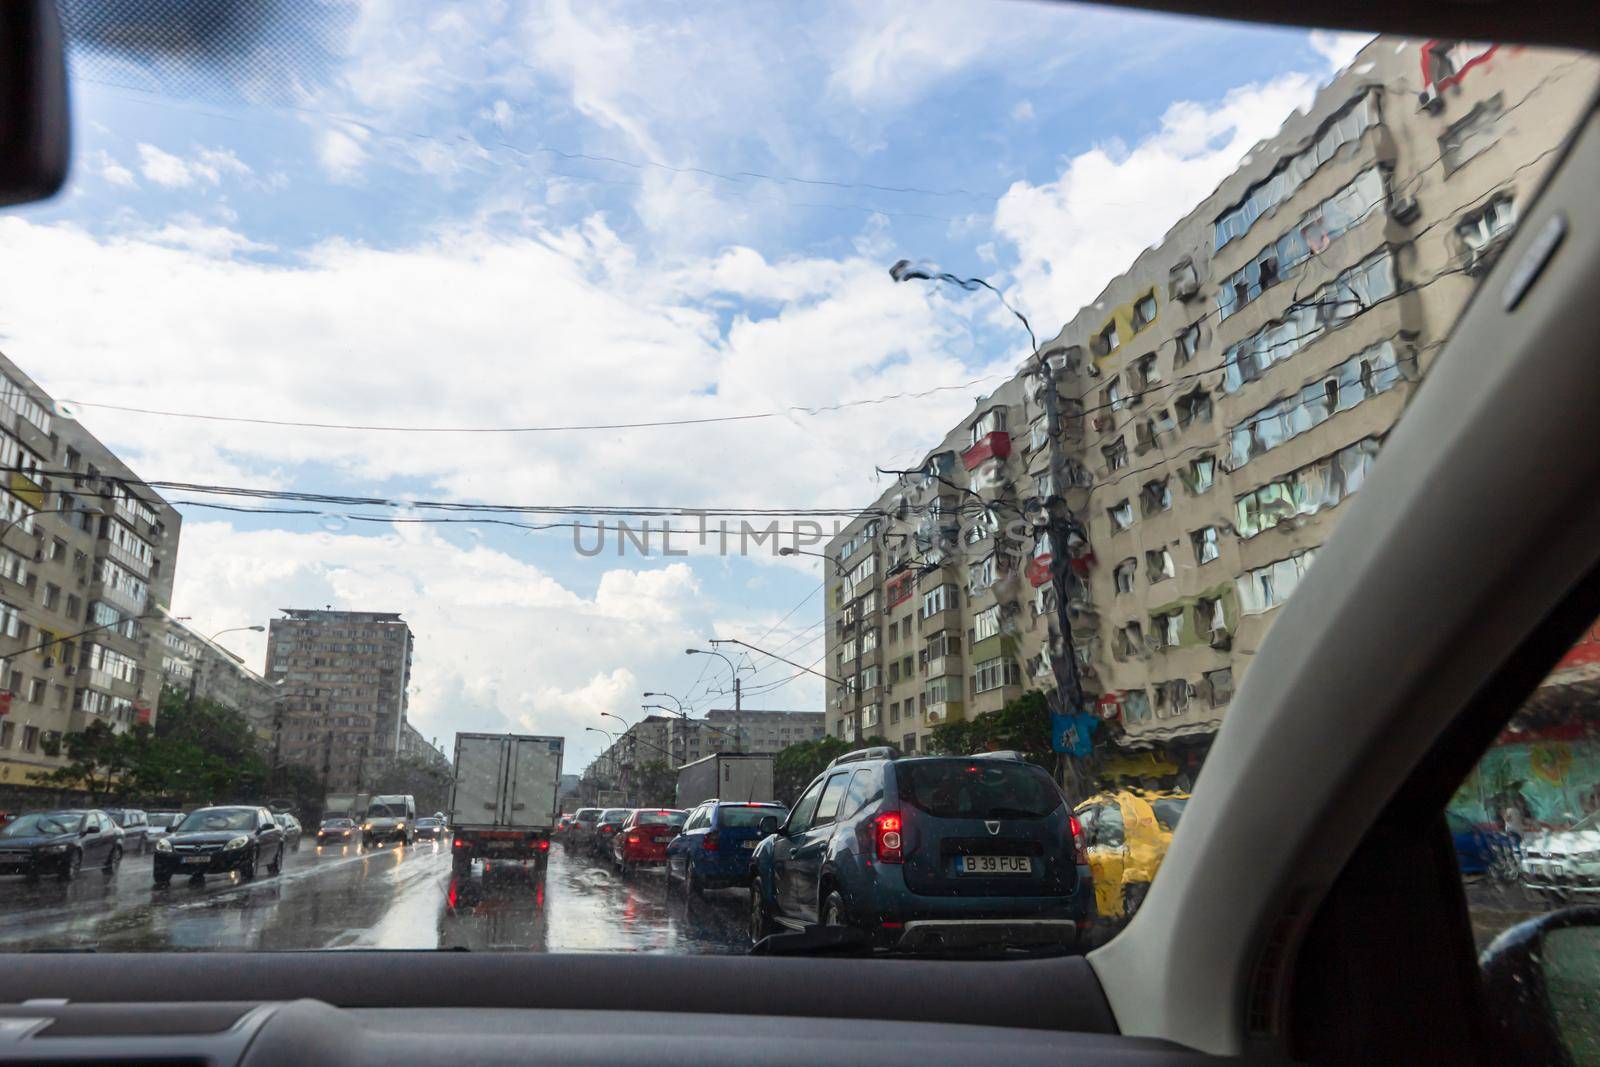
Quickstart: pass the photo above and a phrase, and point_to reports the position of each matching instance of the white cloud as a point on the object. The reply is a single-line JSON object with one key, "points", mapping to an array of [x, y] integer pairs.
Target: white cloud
{"points": [[190, 233], [208, 165], [341, 153], [1338, 48], [1022, 111], [112, 171], [1111, 202]]}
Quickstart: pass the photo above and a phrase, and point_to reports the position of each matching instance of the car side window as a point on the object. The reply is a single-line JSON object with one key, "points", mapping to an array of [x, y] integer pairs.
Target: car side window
{"points": [[92, 823], [1111, 826], [832, 793], [865, 787], [1089, 822], [804, 809]]}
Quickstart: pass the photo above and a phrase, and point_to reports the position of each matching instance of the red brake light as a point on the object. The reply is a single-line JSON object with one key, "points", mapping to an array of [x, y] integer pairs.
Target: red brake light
{"points": [[887, 832], [459, 843], [710, 841], [633, 839], [1079, 854], [544, 846]]}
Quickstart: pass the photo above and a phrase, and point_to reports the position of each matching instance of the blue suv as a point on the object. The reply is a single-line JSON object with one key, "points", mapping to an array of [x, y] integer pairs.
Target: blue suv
{"points": [[926, 852], [713, 848]]}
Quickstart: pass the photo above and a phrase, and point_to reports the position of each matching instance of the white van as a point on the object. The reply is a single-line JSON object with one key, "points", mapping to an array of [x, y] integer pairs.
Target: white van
{"points": [[390, 818]]}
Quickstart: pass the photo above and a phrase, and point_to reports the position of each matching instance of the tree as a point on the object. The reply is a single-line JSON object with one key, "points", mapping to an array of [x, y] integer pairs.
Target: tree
{"points": [[1022, 725], [655, 784], [98, 761], [794, 767], [410, 776]]}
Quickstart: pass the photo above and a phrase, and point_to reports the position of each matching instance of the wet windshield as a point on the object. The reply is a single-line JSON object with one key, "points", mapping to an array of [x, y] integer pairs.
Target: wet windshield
{"points": [[37, 825], [218, 819], [977, 789], [488, 411]]}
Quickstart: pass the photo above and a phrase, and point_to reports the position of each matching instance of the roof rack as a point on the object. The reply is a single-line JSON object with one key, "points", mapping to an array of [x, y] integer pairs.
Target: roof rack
{"points": [[1004, 753], [877, 752]]}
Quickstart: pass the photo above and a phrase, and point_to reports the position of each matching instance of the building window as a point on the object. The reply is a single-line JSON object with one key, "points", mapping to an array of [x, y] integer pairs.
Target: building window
{"points": [[1219, 686], [1188, 344], [991, 421], [1172, 699], [994, 673], [1193, 408], [1201, 475], [1264, 588], [1480, 229], [1111, 397], [1306, 491], [894, 711], [1130, 640], [1144, 310], [1168, 629], [1038, 434], [987, 623], [30, 739], [1121, 514], [1205, 544], [37, 687], [1123, 574], [1155, 497], [1116, 454], [1472, 135], [1106, 341], [1135, 706], [1158, 565], [1364, 375], [1146, 374]]}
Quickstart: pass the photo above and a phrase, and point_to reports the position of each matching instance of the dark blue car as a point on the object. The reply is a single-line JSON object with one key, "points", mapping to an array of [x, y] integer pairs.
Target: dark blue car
{"points": [[1482, 851], [713, 848], [927, 852]]}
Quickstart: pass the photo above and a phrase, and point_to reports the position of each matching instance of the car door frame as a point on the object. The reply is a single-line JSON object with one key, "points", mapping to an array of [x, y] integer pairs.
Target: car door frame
{"points": [[94, 847], [274, 835], [784, 903], [811, 851], [683, 845]]}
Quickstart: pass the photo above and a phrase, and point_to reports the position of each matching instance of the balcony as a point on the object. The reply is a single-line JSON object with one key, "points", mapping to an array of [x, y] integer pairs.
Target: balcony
{"points": [[943, 712], [117, 598], [126, 558], [995, 445]]}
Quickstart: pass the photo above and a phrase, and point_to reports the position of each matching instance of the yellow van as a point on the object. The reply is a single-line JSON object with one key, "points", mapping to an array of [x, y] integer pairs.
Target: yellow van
{"points": [[1126, 834]]}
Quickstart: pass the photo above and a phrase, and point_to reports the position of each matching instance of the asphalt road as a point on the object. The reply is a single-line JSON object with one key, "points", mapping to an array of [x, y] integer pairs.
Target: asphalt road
{"points": [[387, 897]]}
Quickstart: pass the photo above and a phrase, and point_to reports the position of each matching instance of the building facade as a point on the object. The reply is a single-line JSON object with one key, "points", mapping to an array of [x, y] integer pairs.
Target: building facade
{"points": [[190, 662], [1219, 400], [415, 747], [342, 678], [87, 556]]}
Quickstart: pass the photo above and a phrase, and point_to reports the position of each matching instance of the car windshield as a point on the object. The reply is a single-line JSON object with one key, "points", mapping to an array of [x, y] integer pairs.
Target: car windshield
{"points": [[502, 410], [977, 789], [42, 824], [739, 817], [216, 819]]}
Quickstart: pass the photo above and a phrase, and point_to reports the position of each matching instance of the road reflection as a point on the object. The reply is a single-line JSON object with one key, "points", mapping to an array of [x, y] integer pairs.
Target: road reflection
{"points": [[503, 910]]}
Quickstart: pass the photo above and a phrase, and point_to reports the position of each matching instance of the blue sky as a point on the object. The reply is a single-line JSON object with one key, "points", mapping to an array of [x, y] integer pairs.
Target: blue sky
{"points": [[493, 214]]}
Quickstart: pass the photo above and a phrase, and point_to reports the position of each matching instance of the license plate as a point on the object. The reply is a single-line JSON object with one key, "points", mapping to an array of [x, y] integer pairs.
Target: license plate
{"points": [[499, 845], [996, 865], [661, 840], [197, 859], [747, 844]]}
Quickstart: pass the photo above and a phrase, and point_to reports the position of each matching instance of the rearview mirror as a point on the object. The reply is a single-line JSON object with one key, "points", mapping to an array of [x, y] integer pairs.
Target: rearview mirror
{"points": [[767, 826], [1542, 978], [34, 122]]}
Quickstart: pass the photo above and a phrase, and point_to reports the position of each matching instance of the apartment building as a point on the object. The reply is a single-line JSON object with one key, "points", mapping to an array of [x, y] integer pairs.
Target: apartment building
{"points": [[191, 661], [343, 676], [1220, 399], [87, 555], [415, 747], [677, 741]]}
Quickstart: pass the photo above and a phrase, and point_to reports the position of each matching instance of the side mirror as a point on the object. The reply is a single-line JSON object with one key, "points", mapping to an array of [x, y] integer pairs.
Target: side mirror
{"points": [[767, 826], [86, 831], [1541, 982]]}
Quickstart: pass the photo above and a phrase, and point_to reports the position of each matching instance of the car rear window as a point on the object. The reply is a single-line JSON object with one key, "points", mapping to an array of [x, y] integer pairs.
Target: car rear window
{"points": [[977, 789], [738, 818], [661, 818]]}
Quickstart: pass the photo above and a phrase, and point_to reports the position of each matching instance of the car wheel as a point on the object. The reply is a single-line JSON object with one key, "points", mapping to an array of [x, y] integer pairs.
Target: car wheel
{"points": [[760, 921], [73, 865], [276, 866], [833, 913], [247, 869], [296, 846], [113, 858]]}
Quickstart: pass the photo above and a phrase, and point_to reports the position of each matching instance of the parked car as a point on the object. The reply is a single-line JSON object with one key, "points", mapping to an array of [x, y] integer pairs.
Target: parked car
{"points": [[220, 840], [389, 818], [337, 831], [135, 828], [713, 849], [161, 823], [60, 843], [926, 851], [430, 829], [292, 830], [1483, 849], [606, 827], [563, 825], [581, 833], [1126, 835], [1564, 863], [643, 840]]}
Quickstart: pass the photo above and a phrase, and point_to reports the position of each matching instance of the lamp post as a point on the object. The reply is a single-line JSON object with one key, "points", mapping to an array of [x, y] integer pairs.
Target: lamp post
{"points": [[737, 745], [608, 755], [860, 626], [1060, 521], [194, 675], [672, 727]]}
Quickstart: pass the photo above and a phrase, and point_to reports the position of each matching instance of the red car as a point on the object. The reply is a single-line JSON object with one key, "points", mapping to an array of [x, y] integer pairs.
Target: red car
{"points": [[642, 841]]}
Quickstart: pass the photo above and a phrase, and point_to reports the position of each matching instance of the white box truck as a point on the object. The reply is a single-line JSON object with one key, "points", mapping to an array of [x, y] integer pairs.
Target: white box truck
{"points": [[725, 776], [503, 801]]}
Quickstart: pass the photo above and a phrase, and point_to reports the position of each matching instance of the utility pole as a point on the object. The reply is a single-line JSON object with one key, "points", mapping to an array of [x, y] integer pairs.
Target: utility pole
{"points": [[738, 730]]}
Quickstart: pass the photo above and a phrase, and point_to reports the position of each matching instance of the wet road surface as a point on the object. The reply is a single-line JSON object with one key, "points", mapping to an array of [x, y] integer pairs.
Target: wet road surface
{"points": [[399, 898]]}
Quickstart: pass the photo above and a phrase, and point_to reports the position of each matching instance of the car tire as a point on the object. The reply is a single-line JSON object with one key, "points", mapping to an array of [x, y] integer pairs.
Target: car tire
{"points": [[247, 869], [113, 860], [275, 868], [832, 912], [296, 846], [760, 920], [74, 865]]}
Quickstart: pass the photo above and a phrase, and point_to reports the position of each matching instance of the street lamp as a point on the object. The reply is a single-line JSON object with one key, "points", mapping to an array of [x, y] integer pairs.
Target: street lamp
{"points": [[736, 694], [859, 622], [194, 675]]}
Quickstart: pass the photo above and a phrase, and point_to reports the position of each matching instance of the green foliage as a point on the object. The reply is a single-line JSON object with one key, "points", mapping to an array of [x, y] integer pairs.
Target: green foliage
{"points": [[97, 759], [653, 784], [795, 766], [1023, 724], [430, 785]]}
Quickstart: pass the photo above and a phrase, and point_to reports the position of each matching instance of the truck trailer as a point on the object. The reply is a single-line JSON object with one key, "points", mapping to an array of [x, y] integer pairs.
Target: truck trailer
{"points": [[503, 800], [725, 776]]}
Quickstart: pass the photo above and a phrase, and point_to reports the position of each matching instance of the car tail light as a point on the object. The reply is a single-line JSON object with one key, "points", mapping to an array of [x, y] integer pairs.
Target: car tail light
{"points": [[710, 841], [633, 839], [1080, 856], [887, 831], [459, 843], [544, 846]]}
